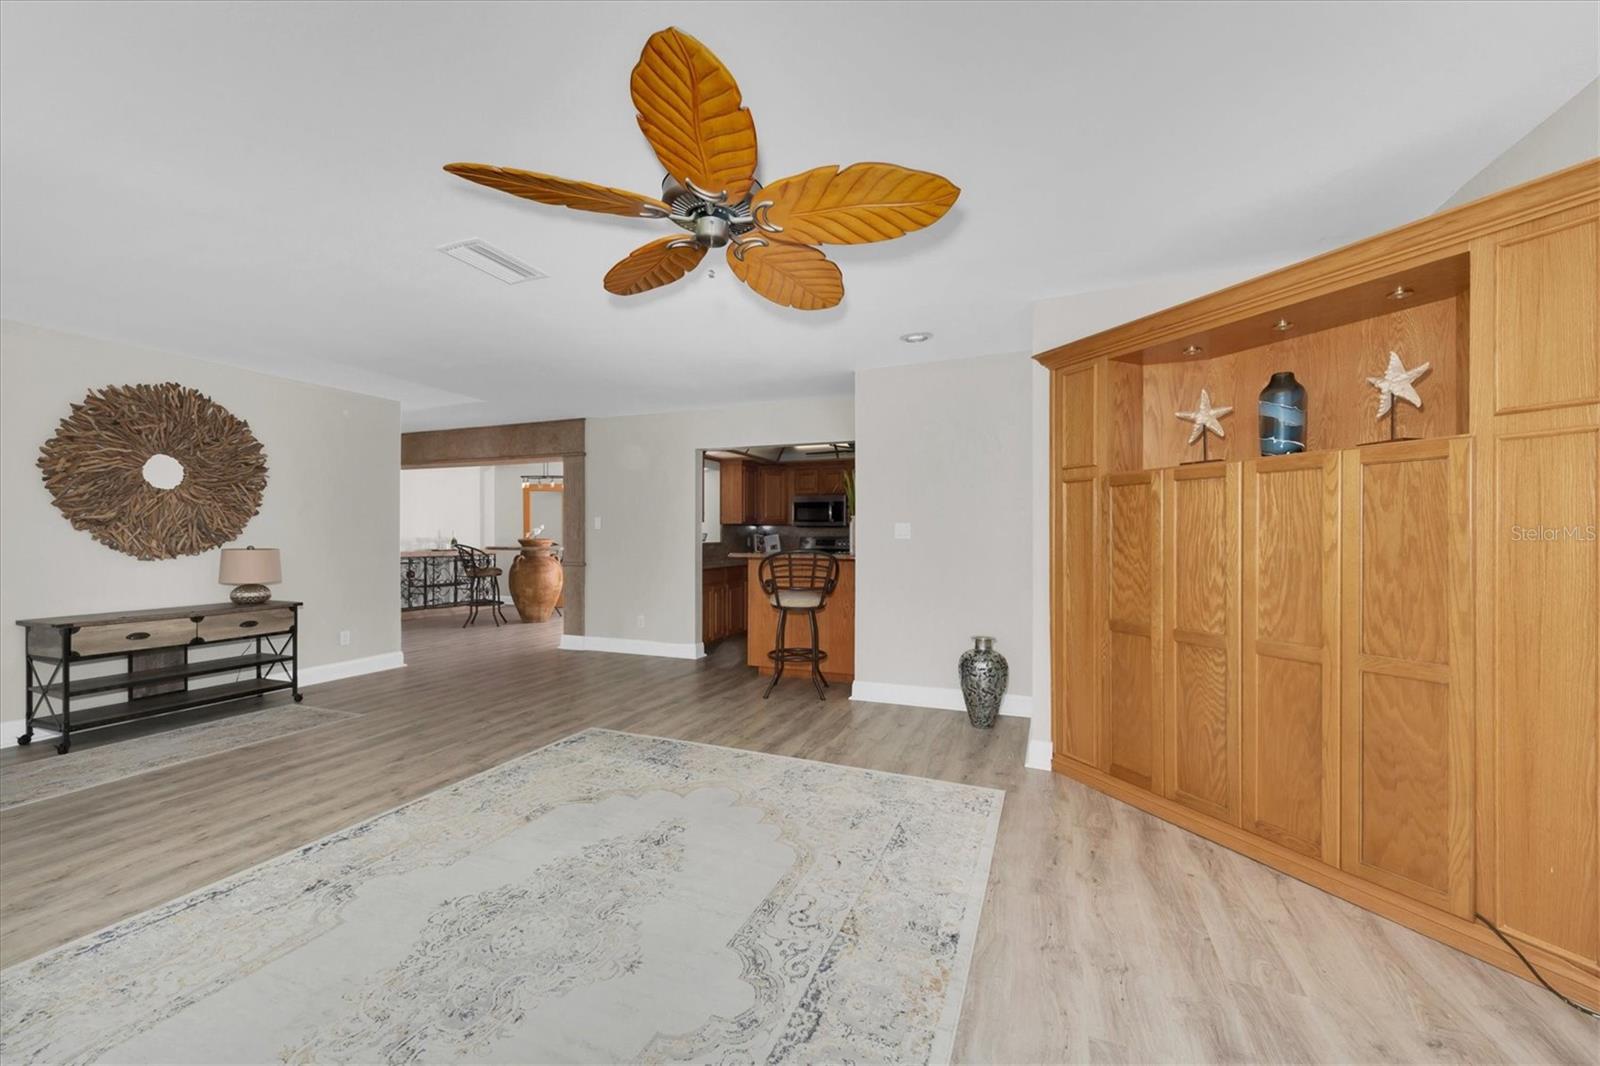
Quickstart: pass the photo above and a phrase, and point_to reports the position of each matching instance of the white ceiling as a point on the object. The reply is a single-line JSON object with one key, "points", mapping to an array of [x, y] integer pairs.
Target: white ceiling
{"points": [[260, 184]]}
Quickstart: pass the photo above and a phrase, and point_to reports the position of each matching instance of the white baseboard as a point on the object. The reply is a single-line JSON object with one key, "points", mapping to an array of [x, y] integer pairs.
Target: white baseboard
{"points": [[943, 699], [1039, 752], [310, 675], [618, 645], [10, 731], [371, 664]]}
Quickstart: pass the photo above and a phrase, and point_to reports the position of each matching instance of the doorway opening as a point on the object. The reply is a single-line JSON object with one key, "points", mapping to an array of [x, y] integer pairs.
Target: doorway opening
{"points": [[757, 500], [481, 543]]}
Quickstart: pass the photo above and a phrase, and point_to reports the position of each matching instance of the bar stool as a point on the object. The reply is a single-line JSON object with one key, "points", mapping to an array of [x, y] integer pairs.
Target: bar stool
{"points": [[798, 582], [483, 583]]}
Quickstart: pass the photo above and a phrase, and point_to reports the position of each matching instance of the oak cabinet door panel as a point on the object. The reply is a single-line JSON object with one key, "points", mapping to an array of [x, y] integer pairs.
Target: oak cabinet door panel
{"points": [[1200, 565], [1290, 650], [1407, 670], [1131, 681], [1075, 683], [1545, 713]]}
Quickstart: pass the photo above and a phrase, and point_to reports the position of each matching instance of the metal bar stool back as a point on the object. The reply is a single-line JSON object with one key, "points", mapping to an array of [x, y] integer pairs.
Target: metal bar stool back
{"points": [[798, 582]]}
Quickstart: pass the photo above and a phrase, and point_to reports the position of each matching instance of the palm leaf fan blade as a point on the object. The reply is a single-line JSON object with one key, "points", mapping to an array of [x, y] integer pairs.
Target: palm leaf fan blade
{"points": [[661, 262], [561, 192], [791, 275], [862, 203]]}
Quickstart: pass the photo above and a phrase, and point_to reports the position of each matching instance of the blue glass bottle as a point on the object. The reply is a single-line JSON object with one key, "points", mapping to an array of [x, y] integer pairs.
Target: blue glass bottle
{"points": [[1283, 415]]}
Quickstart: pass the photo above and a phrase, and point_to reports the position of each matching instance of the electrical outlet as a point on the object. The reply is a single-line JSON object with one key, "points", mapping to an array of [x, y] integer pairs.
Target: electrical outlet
{"points": [[902, 531], [641, 621], [344, 638]]}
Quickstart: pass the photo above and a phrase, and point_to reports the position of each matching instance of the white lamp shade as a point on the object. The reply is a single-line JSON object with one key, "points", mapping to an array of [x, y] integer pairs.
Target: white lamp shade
{"points": [[250, 566]]}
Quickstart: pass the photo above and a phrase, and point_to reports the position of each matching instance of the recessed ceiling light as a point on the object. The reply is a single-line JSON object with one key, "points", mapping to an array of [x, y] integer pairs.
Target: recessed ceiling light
{"points": [[1193, 349], [916, 338], [1283, 325], [1400, 292]]}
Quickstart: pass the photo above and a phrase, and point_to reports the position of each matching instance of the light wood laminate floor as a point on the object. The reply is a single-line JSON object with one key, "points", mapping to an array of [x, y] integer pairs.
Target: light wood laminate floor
{"points": [[1107, 935]]}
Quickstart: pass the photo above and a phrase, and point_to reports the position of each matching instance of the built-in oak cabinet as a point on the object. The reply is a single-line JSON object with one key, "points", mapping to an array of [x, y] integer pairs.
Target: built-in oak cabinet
{"points": [[1374, 665], [1133, 621], [1406, 682], [1538, 596], [1200, 665], [1075, 729], [1289, 644]]}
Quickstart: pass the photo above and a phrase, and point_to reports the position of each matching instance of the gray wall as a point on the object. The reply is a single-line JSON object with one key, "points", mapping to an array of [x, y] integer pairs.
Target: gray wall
{"points": [[644, 485], [440, 503], [332, 501], [944, 447], [1569, 136]]}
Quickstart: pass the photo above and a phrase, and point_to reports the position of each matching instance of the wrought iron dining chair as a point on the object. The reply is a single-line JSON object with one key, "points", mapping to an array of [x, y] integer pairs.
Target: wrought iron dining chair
{"points": [[482, 578]]}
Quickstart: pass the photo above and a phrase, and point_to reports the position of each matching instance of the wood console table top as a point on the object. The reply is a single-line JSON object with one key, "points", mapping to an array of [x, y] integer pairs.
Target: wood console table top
{"points": [[208, 610]]}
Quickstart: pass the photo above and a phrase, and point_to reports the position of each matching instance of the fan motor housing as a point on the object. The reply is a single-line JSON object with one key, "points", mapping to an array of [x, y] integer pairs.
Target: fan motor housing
{"points": [[713, 224], [712, 231]]}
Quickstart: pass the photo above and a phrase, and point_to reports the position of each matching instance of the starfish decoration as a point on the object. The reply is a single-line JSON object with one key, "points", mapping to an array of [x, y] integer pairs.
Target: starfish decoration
{"points": [[1204, 417], [1396, 382]]}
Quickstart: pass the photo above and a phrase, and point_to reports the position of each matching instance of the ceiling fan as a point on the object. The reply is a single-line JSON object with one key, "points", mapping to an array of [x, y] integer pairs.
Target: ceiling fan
{"points": [[691, 112]]}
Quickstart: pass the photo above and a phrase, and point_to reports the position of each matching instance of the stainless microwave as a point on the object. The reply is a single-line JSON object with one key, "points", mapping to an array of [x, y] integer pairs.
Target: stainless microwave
{"points": [[818, 511]]}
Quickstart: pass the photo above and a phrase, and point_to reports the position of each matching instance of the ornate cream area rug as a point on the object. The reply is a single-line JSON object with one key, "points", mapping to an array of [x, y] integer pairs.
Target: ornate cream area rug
{"points": [[609, 898], [30, 780]]}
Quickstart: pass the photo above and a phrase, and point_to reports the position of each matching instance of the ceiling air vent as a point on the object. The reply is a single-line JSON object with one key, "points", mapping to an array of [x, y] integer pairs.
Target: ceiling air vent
{"points": [[492, 261]]}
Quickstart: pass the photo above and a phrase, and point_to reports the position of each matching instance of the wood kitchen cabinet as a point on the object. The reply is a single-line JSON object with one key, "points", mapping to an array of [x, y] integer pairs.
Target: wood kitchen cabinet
{"points": [[723, 610], [761, 493], [772, 495], [824, 478], [806, 480], [738, 480]]}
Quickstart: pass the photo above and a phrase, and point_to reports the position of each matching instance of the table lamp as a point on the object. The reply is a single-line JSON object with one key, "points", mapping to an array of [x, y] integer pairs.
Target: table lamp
{"points": [[250, 570]]}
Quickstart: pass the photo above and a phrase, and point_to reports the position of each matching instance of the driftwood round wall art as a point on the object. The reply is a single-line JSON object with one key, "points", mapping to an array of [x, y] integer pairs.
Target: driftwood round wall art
{"points": [[155, 471]]}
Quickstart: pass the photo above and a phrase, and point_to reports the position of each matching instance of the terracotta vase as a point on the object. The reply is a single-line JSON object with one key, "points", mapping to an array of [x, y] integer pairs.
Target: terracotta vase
{"points": [[535, 579]]}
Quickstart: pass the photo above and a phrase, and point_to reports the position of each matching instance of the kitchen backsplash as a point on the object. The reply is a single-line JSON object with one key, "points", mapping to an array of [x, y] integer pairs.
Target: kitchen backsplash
{"points": [[737, 539]]}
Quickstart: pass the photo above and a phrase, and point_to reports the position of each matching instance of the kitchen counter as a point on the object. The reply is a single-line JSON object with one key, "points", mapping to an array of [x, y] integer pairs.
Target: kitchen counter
{"points": [[836, 624], [758, 555]]}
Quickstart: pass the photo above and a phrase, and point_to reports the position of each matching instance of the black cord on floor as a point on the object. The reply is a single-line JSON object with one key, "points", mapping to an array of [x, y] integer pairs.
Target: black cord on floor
{"points": [[1537, 975]]}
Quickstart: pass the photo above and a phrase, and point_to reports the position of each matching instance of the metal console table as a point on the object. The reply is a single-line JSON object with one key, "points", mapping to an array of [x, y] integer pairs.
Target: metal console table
{"points": [[431, 578], [155, 645]]}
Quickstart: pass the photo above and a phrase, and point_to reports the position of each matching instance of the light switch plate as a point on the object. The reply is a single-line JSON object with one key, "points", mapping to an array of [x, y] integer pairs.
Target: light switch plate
{"points": [[902, 531]]}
